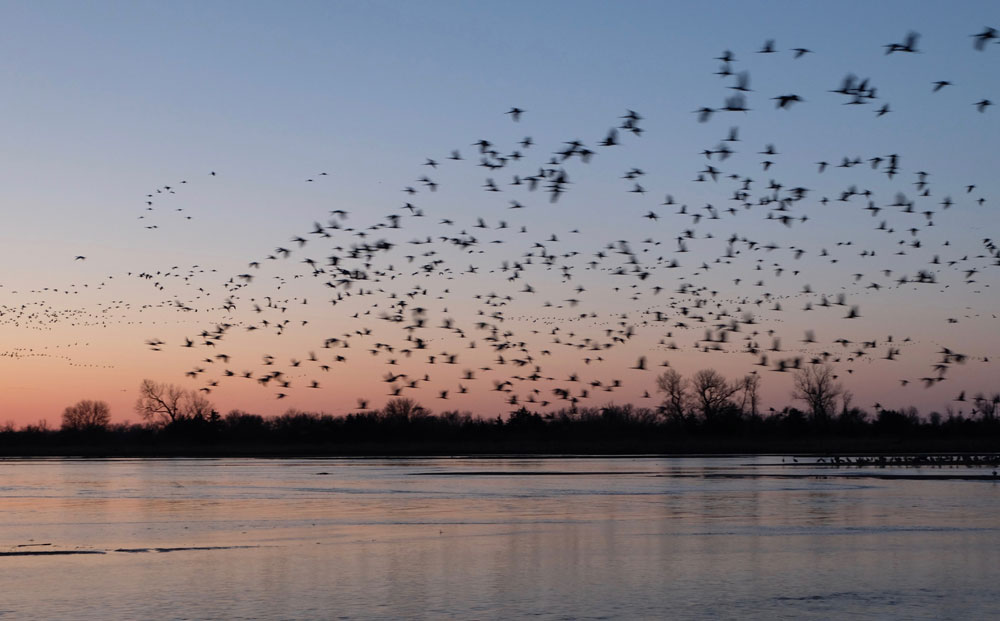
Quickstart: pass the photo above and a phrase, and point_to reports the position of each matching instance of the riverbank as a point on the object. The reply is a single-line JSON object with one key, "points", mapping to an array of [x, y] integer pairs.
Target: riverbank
{"points": [[705, 445]]}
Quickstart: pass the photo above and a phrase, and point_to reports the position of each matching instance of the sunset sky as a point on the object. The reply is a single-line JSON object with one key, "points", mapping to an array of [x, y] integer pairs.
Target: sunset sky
{"points": [[174, 144]]}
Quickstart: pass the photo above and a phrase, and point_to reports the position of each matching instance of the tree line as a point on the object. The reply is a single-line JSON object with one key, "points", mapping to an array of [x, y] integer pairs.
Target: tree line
{"points": [[705, 412]]}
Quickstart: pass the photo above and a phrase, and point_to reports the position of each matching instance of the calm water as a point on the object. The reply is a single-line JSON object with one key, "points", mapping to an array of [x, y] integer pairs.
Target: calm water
{"points": [[733, 537]]}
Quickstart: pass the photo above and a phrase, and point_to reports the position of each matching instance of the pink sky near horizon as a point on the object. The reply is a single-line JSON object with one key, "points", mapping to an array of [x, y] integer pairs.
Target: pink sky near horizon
{"points": [[227, 125]]}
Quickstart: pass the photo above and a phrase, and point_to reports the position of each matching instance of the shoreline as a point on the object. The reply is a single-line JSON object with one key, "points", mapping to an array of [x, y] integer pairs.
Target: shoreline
{"points": [[867, 450]]}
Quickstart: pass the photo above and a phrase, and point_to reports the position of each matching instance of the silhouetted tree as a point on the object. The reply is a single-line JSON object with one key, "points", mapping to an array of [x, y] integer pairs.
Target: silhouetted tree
{"points": [[86, 415], [402, 408], [197, 406], [674, 386], [750, 388], [987, 406], [166, 404], [852, 421], [160, 402], [892, 422], [712, 391], [523, 419], [40, 428], [405, 427], [845, 401], [817, 385]]}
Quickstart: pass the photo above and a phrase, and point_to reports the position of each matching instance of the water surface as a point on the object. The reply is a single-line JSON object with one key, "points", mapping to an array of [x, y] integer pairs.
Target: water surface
{"points": [[732, 537]]}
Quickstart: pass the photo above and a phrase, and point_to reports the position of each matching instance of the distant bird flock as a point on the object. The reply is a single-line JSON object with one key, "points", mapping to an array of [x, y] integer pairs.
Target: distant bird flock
{"points": [[438, 307]]}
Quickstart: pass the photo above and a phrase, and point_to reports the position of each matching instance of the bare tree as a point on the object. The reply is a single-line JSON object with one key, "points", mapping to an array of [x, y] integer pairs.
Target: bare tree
{"points": [[674, 386], [42, 426], [817, 385], [712, 391], [403, 408], [989, 407], [86, 415], [197, 405], [750, 387], [160, 402], [845, 399]]}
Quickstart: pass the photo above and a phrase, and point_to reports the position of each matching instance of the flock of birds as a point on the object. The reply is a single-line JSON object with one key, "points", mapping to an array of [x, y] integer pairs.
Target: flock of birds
{"points": [[438, 306]]}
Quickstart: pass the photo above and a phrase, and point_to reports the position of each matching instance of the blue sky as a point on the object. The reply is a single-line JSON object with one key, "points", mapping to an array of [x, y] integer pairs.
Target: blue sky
{"points": [[105, 101]]}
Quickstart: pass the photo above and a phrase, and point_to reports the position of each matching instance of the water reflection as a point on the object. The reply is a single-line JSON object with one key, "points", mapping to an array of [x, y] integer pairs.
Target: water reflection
{"points": [[490, 538]]}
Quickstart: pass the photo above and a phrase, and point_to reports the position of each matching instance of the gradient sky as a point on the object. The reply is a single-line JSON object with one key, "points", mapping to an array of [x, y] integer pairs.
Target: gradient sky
{"points": [[108, 102]]}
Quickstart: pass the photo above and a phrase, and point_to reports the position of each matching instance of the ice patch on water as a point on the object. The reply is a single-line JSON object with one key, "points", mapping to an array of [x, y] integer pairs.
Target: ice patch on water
{"points": [[181, 549], [49, 552]]}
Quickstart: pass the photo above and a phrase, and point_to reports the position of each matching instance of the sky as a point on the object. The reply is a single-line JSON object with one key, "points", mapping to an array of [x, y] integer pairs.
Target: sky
{"points": [[173, 145]]}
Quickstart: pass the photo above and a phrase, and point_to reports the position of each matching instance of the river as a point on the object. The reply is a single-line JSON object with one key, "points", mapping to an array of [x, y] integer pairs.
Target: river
{"points": [[495, 538]]}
